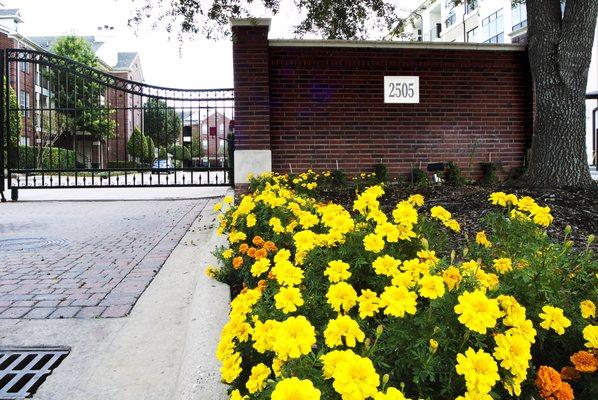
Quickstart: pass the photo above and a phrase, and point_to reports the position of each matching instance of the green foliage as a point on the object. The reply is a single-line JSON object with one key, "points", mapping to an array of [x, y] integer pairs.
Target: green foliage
{"points": [[85, 98], [30, 157], [180, 153], [137, 145], [151, 150], [489, 176], [196, 149], [161, 122], [453, 174], [162, 153], [420, 177], [381, 171]]}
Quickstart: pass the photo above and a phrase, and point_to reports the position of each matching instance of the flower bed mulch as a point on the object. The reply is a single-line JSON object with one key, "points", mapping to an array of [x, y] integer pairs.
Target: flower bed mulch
{"points": [[575, 207]]}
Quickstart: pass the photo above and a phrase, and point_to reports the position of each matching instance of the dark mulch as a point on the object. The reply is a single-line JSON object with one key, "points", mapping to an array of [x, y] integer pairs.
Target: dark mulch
{"points": [[570, 206]]}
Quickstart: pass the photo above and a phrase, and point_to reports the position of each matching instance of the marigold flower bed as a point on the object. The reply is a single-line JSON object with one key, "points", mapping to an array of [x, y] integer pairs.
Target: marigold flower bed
{"points": [[361, 304]]}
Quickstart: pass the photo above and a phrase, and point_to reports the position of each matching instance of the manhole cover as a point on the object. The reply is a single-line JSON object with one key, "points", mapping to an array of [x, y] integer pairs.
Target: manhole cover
{"points": [[23, 370], [20, 244]]}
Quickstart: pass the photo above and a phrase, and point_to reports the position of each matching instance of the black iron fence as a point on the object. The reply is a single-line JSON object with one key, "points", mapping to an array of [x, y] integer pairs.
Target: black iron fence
{"points": [[67, 125]]}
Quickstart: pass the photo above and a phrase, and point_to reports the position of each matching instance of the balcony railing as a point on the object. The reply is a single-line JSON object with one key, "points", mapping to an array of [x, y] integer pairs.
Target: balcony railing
{"points": [[450, 20]]}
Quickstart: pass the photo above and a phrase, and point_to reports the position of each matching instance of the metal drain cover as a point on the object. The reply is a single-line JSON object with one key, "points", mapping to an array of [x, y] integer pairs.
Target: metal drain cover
{"points": [[20, 244], [23, 370]]}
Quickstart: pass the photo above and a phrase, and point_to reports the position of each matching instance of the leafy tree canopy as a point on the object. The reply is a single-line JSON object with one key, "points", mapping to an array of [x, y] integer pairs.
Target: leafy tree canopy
{"points": [[161, 122]]}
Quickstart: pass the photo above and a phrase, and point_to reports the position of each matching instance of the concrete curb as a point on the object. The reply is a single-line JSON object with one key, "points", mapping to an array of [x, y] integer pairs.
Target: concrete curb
{"points": [[199, 376]]}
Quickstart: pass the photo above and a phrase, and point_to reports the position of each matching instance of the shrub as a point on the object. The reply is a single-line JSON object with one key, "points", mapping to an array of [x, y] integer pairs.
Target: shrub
{"points": [[453, 174], [356, 306], [489, 176], [419, 177], [137, 145], [162, 153], [150, 150], [180, 153], [381, 172], [45, 158]]}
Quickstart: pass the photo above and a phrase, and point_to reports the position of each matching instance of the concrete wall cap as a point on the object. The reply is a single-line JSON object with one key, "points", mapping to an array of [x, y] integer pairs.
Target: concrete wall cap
{"points": [[251, 22], [395, 45]]}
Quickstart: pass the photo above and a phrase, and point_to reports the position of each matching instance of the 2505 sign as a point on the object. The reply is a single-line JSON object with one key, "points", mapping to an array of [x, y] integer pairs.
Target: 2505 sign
{"points": [[401, 89]]}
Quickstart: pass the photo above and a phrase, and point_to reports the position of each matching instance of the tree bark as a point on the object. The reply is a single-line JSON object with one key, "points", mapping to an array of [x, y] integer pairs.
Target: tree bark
{"points": [[560, 50]]}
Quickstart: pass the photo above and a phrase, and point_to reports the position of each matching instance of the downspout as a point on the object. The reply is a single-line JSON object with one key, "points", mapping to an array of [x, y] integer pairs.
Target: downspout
{"points": [[594, 136]]}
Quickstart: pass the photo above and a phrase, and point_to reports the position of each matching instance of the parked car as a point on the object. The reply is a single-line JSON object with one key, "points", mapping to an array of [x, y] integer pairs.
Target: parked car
{"points": [[161, 166]]}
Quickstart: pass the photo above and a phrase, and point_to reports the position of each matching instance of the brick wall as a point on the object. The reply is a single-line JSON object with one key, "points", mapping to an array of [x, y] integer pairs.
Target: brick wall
{"points": [[326, 104]]}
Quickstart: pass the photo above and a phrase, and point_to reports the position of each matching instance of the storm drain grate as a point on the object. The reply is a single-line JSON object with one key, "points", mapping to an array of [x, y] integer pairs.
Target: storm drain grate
{"points": [[24, 244], [23, 370]]}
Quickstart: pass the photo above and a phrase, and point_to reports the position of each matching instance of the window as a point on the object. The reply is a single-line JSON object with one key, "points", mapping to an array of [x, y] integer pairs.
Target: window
{"points": [[519, 16], [471, 35], [24, 102], [24, 67], [493, 28], [451, 19], [470, 5]]}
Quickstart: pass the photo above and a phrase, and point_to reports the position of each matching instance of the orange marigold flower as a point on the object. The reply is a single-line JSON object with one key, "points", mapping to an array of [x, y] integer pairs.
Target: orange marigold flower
{"points": [[261, 285], [584, 361], [243, 248], [258, 241], [564, 392], [270, 246], [251, 252], [548, 381], [271, 275], [237, 262], [569, 374], [261, 253]]}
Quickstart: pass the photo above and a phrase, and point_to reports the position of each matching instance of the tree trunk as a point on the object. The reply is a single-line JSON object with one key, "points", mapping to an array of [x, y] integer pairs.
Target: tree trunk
{"points": [[560, 50]]}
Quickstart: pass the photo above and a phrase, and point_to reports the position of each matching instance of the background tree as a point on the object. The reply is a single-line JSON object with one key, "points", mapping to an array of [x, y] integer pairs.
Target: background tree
{"points": [[161, 122], [180, 153], [196, 149], [137, 145], [83, 101], [16, 127], [151, 150], [559, 49]]}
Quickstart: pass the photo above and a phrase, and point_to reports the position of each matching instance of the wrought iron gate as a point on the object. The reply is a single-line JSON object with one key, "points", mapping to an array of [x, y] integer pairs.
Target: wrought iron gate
{"points": [[66, 125]]}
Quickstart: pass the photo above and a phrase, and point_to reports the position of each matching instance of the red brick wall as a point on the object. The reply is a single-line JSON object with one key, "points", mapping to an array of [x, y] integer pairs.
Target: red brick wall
{"points": [[327, 104]]}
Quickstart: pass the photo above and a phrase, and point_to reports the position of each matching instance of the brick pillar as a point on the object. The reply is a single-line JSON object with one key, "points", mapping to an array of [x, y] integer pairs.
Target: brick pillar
{"points": [[252, 98]]}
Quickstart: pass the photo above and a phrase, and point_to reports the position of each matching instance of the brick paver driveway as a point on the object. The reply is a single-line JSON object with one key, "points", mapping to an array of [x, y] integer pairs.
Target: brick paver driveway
{"points": [[85, 259]]}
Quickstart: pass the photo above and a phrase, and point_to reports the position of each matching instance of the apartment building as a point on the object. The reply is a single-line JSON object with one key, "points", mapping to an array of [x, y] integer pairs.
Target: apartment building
{"points": [[493, 22], [29, 80]]}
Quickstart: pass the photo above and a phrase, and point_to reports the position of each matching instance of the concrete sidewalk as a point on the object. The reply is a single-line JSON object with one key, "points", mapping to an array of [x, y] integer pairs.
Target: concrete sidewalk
{"points": [[163, 350]]}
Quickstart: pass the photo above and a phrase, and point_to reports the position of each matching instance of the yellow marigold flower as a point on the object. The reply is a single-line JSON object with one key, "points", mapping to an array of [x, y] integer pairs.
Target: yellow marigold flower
{"points": [[260, 267], [542, 216], [287, 274], [405, 213], [440, 213], [210, 271], [331, 359], [588, 309], [584, 361], [590, 333], [288, 299], [277, 364], [433, 345], [482, 239], [431, 286], [341, 296], [499, 199], [526, 329], [236, 395], [513, 352], [373, 243], [337, 271], [452, 277], [343, 327], [257, 379], [227, 254], [416, 268], [398, 301], [514, 312], [231, 368], [217, 207], [228, 199], [477, 312], [251, 220], [293, 338], [276, 225], [386, 265], [416, 200], [453, 225], [518, 215], [355, 377], [389, 231], [502, 265], [479, 369], [235, 237], [428, 256], [553, 318], [391, 394], [295, 389], [488, 281], [263, 335], [405, 279], [470, 267], [475, 396], [526, 203], [369, 303]]}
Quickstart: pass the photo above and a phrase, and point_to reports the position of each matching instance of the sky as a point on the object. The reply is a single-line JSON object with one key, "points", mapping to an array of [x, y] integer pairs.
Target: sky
{"points": [[194, 63]]}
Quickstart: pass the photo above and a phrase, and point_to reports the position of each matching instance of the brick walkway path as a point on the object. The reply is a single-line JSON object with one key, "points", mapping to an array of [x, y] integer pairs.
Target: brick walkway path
{"points": [[87, 259]]}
